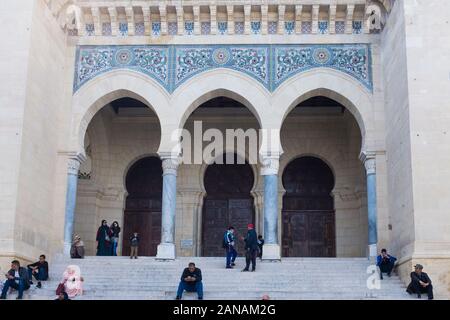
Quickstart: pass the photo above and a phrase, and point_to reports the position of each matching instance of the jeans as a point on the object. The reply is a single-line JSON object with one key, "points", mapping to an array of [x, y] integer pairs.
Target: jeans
{"points": [[21, 287], [231, 255], [115, 243], [39, 276], [387, 268], [189, 287]]}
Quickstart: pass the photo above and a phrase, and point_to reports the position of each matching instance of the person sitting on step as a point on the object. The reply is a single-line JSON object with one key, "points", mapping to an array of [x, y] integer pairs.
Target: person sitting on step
{"points": [[39, 270], [420, 283], [191, 281], [386, 263], [17, 278]]}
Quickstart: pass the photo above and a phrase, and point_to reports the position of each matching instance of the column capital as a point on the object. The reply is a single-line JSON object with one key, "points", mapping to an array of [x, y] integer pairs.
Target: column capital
{"points": [[170, 165], [369, 160], [270, 164], [74, 162]]}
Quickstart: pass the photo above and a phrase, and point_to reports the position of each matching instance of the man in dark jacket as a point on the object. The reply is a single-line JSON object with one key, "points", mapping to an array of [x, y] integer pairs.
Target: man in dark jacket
{"points": [[386, 263], [420, 283], [39, 270], [191, 281], [17, 278], [251, 248]]}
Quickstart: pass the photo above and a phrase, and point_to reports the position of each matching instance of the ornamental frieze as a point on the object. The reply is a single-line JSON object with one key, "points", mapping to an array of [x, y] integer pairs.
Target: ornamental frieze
{"points": [[270, 65]]}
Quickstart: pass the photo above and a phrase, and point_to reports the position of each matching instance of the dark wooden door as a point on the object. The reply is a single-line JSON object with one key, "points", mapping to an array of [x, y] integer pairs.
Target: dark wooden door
{"points": [[143, 206], [308, 217], [228, 203]]}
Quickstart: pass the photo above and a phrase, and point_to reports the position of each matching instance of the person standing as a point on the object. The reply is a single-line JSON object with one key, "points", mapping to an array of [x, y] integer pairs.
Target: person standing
{"points": [[191, 281], [230, 248], [115, 231], [17, 278], [134, 242], [420, 283], [386, 263], [251, 248], [103, 240], [39, 270], [260, 246]]}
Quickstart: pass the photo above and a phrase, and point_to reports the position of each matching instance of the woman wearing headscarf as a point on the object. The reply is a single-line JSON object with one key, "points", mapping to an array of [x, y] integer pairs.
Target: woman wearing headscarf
{"points": [[73, 281], [77, 249], [103, 240], [115, 231]]}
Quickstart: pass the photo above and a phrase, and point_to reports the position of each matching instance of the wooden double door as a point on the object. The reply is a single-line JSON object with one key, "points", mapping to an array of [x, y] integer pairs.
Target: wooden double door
{"points": [[143, 206], [228, 202], [308, 216]]}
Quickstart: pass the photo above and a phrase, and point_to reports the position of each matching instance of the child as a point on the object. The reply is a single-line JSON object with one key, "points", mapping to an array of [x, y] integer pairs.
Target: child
{"points": [[260, 246], [134, 240]]}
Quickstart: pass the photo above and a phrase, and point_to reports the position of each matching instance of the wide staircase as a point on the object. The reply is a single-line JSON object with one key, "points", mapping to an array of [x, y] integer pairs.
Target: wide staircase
{"points": [[293, 278]]}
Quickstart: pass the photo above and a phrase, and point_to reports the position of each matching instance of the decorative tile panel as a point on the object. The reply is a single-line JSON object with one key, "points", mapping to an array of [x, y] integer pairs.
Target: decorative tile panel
{"points": [[205, 28], [289, 26], [139, 29], [156, 28], [189, 27], [256, 27], [357, 27], [306, 27], [323, 27], [172, 28], [272, 27], [90, 29], [106, 29], [123, 29], [340, 27], [222, 26], [239, 28], [270, 65]]}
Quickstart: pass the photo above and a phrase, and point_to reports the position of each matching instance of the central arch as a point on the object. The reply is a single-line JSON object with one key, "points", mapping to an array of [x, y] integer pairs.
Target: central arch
{"points": [[228, 202], [308, 216]]}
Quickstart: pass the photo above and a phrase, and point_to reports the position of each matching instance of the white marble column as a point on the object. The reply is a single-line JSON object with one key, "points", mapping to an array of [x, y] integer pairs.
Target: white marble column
{"points": [[369, 161], [73, 166], [166, 249], [269, 170]]}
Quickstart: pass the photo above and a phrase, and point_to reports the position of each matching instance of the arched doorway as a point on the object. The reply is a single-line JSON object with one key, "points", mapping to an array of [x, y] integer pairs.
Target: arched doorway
{"points": [[143, 205], [228, 202], [308, 217]]}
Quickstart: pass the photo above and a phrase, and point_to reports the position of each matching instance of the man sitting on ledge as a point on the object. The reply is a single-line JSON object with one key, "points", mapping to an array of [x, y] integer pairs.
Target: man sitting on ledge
{"points": [[191, 281], [420, 283], [386, 263]]}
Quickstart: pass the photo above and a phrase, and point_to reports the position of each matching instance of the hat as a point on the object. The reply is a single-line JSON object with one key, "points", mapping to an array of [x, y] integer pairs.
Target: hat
{"points": [[250, 225], [418, 266]]}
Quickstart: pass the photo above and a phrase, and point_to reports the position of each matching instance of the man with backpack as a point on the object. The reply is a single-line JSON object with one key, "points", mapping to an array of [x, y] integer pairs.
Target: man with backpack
{"points": [[228, 245]]}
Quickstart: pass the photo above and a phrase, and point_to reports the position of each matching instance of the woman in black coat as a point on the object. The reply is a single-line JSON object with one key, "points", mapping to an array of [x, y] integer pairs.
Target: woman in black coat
{"points": [[103, 240]]}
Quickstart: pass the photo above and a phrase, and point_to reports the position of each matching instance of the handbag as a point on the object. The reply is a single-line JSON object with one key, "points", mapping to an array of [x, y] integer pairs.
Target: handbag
{"points": [[60, 289]]}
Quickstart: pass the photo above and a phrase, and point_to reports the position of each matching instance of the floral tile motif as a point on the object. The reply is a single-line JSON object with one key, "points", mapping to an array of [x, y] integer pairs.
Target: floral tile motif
{"points": [[72, 32], [106, 29], [239, 28], [172, 28], [289, 27], [340, 27], [256, 27], [353, 60], [156, 28], [270, 65], [123, 29], [306, 27], [357, 27], [205, 28], [323, 27], [189, 27], [139, 29], [222, 26], [272, 27], [90, 29]]}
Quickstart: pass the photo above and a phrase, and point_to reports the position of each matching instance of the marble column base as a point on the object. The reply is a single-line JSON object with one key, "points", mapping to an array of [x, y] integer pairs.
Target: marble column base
{"points": [[166, 251], [271, 252], [373, 252], [66, 250]]}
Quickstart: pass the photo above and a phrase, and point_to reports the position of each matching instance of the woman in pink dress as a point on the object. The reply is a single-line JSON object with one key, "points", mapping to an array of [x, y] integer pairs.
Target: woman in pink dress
{"points": [[73, 281]]}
